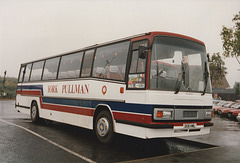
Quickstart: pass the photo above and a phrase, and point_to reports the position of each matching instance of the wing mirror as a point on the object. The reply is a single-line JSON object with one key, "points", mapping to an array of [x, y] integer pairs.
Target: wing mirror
{"points": [[142, 52]]}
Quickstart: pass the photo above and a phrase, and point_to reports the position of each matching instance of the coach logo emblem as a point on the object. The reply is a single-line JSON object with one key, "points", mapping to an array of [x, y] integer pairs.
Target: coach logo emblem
{"points": [[104, 90]]}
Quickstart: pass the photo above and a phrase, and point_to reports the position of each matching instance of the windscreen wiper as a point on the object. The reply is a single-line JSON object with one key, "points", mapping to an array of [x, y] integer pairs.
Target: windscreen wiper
{"points": [[206, 76], [180, 79], [178, 86]]}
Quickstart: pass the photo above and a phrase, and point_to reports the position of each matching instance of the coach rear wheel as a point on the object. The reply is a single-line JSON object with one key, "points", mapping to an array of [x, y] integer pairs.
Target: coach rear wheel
{"points": [[104, 127], [34, 113]]}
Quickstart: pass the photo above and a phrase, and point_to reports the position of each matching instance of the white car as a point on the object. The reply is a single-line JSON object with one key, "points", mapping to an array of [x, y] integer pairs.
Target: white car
{"points": [[238, 117]]}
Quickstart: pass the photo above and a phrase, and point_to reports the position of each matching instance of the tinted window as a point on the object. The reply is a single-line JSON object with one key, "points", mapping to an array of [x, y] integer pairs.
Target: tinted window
{"points": [[50, 69], [87, 63], [70, 66], [27, 72], [20, 79], [110, 61], [37, 71]]}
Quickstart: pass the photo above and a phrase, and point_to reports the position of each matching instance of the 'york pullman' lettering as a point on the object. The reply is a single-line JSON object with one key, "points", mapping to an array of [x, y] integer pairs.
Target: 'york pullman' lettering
{"points": [[75, 88], [52, 89]]}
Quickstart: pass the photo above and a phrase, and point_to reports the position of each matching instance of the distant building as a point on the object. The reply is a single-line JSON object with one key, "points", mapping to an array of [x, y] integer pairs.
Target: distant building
{"points": [[223, 91], [222, 84]]}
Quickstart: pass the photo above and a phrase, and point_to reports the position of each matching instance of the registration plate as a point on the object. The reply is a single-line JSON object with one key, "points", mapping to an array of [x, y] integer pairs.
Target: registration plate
{"points": [[191, 125]]}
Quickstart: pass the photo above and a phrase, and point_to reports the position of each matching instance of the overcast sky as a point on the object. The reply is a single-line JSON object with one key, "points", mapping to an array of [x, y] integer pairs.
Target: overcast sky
{"points": [[33, 29]]}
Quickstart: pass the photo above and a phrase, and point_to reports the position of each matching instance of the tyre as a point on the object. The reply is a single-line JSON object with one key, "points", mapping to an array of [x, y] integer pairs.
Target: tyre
{"points": [[34, 113], [103, 127]]}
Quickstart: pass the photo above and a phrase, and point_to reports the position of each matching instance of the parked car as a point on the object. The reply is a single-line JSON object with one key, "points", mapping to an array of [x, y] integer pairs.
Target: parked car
{"points": [[227, 104], [216, 101], [238, 117], [234, 112], [218, 105], [224, 111]]}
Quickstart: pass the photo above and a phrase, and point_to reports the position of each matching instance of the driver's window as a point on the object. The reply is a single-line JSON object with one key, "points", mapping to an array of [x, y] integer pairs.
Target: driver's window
{"points": [[136, 77], [137, 64]]}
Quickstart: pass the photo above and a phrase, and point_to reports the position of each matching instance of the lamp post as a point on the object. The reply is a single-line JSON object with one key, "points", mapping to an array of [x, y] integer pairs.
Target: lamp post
{"points": [[4, 87]]}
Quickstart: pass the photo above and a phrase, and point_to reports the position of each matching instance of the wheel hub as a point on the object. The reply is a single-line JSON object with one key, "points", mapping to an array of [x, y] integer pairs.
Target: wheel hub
{"points": [[102, 127], [34, 109]]}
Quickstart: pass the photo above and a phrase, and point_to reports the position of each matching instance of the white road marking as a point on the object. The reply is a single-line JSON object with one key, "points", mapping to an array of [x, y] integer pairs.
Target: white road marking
{"points": [[51, 142]]}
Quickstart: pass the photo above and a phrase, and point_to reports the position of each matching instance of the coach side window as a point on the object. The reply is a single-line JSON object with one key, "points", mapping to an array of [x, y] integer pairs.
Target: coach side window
{"points": [[87, 63], [50, 69], [110, 61], [27, 72], [20, 78], [70, 66], [37, 71]]}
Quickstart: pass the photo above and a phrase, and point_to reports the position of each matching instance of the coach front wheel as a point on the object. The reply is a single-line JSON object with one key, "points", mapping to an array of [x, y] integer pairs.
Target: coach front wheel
{"points": [[104, 127], [34, 113]]}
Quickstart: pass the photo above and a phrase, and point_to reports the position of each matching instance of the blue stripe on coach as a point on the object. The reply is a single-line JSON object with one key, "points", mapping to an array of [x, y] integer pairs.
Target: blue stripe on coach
{"points": [[116, 106], [31, 87]]}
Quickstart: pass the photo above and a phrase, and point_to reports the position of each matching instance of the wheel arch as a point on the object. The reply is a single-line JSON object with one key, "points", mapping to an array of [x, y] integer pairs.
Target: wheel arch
{"points": [[35, 101], [99, 108]]}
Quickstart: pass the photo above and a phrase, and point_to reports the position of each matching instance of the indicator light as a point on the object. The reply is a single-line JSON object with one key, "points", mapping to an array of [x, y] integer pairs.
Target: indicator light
{"points": [[121, 90], [159, 114], [163, 114]]}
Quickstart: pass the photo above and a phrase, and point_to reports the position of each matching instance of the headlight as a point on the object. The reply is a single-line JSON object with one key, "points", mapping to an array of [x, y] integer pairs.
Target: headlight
{"points": [[163, 114], [209, 114]]}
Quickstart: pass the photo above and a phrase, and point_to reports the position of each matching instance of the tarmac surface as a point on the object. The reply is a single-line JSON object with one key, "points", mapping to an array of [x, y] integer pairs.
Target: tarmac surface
{"points": [[23, 141], [225, 138]]}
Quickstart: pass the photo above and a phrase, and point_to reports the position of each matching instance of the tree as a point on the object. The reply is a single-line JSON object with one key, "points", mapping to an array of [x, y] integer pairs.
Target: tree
{"points": [[231, 39], [217, 69], [10, 86], [237, 88]]}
